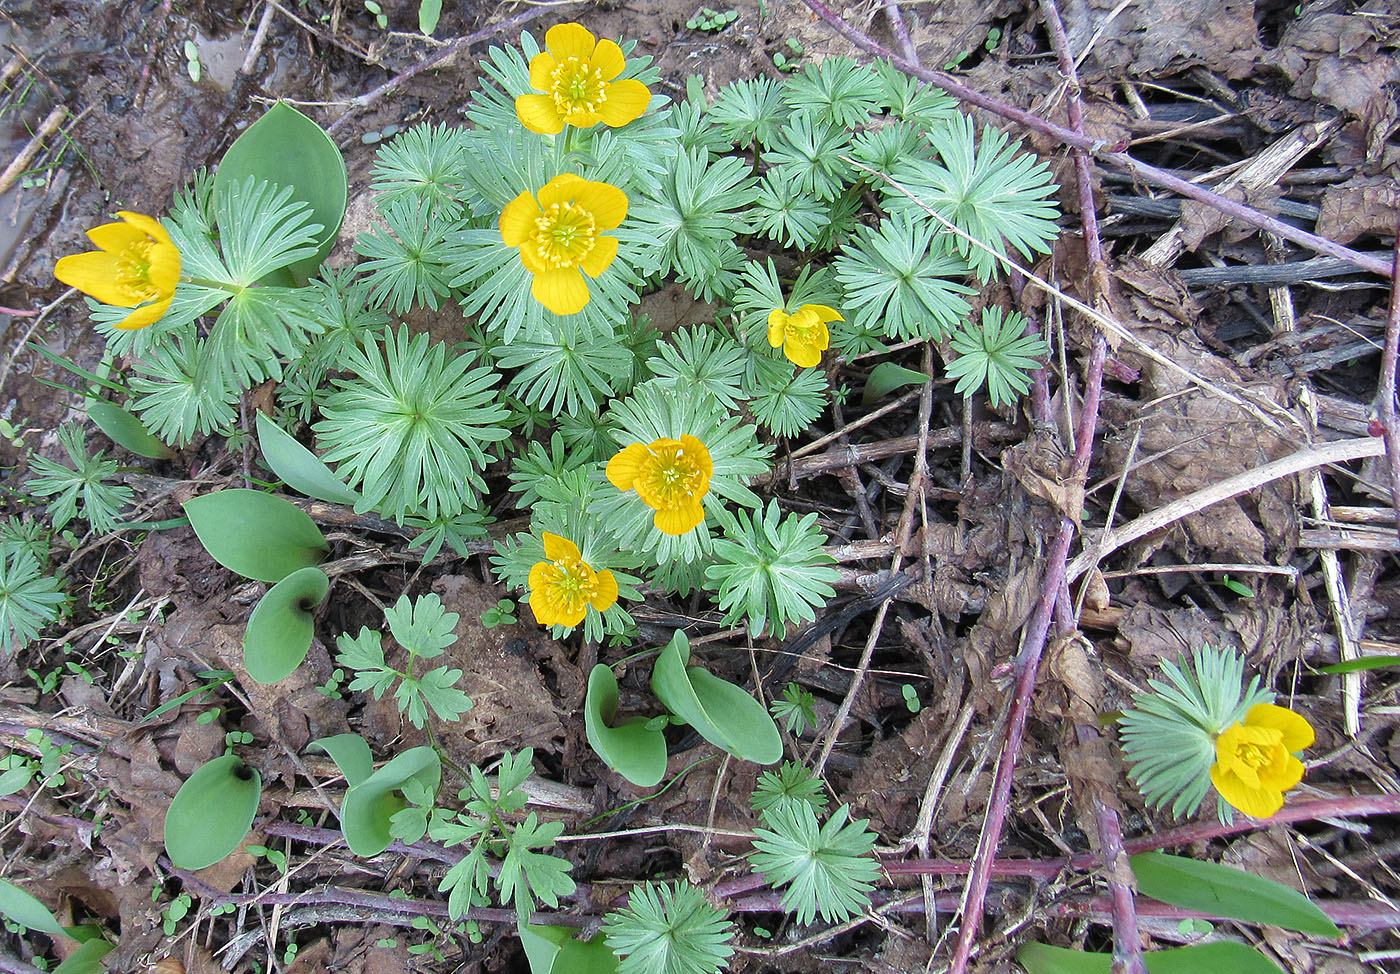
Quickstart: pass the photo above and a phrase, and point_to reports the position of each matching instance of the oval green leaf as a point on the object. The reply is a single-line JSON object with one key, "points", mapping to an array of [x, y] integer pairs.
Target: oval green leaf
{"points": [[630, 749], [126, 430], [280, 629], [87, 959], [24, 909], [286, 148], [557, 949], [368, 806], [256, 534], [212, 812], [299, 468], [1225, 957], [351, 755], [1223, 891], [722, 713], [887, 377]]}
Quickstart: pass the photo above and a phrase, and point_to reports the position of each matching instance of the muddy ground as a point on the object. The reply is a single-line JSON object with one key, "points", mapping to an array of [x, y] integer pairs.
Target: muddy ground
{"points": [[1201, 87]]}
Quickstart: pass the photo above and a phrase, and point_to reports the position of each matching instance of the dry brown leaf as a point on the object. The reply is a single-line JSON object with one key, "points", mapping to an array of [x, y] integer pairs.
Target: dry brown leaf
{"points": [[1360, 205]]}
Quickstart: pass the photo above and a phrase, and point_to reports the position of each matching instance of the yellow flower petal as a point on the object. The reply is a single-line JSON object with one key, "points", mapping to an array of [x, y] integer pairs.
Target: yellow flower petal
{"points": [[557, 548], [606, 202], [699, 455], [539, 114], [803, 354], [608, 60], [531, 258], [1297, 732], [542, 574], [541, 68], [1283, 773], [627, 100], [116, 237], [606, 596], [146, 224], [164, 271], [598, 259], [144, 316], [1254, 802], [94, 273], [518, 219], [679, 520], [626, 466], [824, 313], [570, 40], [777, 326], [561, 189], [561, 290]]}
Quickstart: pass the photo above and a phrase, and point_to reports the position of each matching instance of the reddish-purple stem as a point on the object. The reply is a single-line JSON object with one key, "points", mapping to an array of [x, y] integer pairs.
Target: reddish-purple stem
{"points": [[1385, 392], [900, 31], [1100, 151]]}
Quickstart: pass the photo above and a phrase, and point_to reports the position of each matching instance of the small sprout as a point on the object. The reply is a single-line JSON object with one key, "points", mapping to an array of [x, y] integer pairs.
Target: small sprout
{"points": [[379, 18], [192, 65], [795, 709], [712, 21], [209, 716], [500, 614], [911, 698], [1195, 927], [1239, 588], [388, 943], [289, 953]]}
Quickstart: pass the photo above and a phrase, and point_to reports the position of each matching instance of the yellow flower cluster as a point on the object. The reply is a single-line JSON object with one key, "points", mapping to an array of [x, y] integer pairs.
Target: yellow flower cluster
{"points": [[1255, 762], [136, 266]]}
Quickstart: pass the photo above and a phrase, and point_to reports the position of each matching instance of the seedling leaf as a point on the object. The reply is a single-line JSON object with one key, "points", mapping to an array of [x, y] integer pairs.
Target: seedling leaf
{"points": [[630, 748], [256, 534], [299, 467], [280, 629], [212, 812], [722, 713]]}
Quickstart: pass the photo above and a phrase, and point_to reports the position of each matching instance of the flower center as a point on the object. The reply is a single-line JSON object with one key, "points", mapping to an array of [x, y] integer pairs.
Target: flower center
{"points": [[576, 583], [565, 234], [670, 477], [578, 87], [802, 326], [134, 271]]}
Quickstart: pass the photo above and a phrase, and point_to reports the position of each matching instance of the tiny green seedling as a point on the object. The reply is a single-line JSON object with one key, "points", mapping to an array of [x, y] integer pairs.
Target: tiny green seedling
{"points": [[790, 61], [795, 708], [192, 65], [500, 614], [174, 912], [1238, 587], [712, 21], [1195, 927], [209, 716], [332, 687], [379, 16], [911, 698]]}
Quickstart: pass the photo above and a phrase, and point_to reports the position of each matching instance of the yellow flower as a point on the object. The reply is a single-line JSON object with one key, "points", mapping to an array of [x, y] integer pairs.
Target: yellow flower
{"points": [[563, 587], [803, 333], [136, 267], [561, 234], [671, 477], [576, 75], [1254, 763]]}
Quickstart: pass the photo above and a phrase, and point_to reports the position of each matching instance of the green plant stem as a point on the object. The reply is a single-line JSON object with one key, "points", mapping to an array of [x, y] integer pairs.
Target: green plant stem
{"points": [[656, 794], [442, 754]]}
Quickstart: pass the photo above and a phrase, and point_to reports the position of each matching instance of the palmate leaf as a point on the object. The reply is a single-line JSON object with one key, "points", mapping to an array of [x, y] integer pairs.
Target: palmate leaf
{"points": [[528, 876], [807, 156], [995, 193], [426, 164], [701, 361], [828, 869], [258, 328], [423, 626], [837, 90], [406, 265], [80, 488], [770, 571], [29, 600], [409, 427], [900, 277], [177, 399], [749, 111], [669, 929], [785, 400], [999, 353], [570, 371]]}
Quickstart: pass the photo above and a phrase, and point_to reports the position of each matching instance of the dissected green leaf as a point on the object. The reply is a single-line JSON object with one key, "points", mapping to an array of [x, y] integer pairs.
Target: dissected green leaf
{"points": [[126, 430], [299, 467], [630, 749], [369, 805], [351, 755], [280, 629], [286, 148], [1225, 957], [256, 534], [887, 377], [722, 713], [212, 812], [23, 908], [1209, 887]]}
